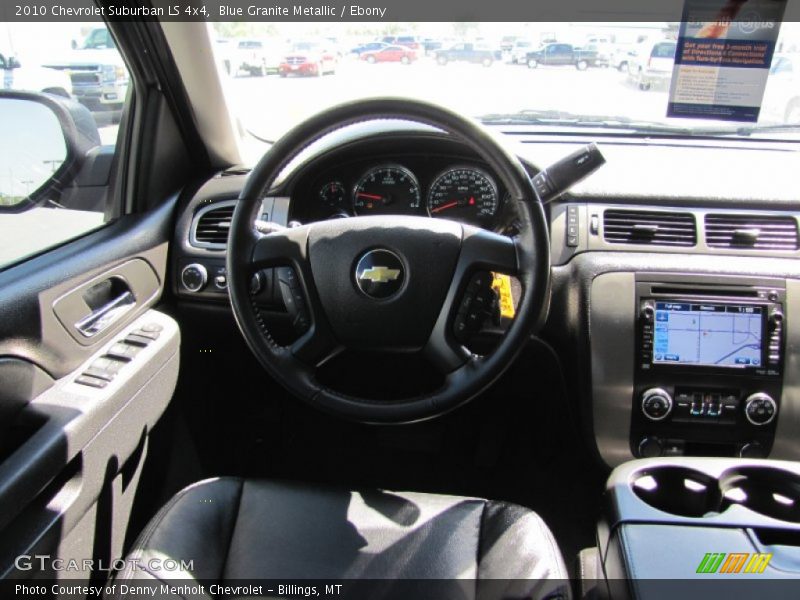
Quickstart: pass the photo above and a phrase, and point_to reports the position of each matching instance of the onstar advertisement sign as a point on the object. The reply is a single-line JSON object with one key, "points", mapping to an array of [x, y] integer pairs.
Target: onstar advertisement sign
{"points": [[722, 59]]}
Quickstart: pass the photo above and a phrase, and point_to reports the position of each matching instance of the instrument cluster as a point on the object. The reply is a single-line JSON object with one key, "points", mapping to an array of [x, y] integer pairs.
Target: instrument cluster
{"points": [[463, 192]]}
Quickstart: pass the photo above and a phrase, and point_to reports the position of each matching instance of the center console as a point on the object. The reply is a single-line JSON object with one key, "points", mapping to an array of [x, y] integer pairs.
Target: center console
{"points": [[708, 367], [696, 527]]}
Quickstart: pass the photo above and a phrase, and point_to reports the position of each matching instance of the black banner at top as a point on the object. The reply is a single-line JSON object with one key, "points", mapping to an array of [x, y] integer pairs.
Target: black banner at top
{"points": [[619, 11]]}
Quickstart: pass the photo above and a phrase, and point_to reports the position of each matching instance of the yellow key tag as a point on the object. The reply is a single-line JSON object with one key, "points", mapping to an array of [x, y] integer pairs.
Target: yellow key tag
{"points": [[502, 285]]}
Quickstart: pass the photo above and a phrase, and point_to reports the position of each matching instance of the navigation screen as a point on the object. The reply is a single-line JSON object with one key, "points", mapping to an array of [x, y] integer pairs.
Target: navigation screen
{"points": [[720, 335]]}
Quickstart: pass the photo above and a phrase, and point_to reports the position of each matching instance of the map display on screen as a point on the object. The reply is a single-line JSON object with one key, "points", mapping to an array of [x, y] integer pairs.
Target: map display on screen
{"points": [[720, 335]]}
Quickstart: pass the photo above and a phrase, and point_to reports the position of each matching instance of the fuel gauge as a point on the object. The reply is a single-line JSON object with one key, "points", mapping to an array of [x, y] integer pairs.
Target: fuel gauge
{"points": [[333, 194]]}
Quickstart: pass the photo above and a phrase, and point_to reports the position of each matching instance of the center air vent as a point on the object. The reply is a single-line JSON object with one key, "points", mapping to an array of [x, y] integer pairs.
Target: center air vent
{"points": [[649, 227], [751, 232], [211, 225]]}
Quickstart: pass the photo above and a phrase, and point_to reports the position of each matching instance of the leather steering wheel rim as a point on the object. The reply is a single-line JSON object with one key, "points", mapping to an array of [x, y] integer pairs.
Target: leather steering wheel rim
{"points": [[294, 366]]}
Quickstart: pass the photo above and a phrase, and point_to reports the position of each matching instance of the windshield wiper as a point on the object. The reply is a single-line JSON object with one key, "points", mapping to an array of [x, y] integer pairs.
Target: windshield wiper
{"points": [[555, 118], [748, 130]]}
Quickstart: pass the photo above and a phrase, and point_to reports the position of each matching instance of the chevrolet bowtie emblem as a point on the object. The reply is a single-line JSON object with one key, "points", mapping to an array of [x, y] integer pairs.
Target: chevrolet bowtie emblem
{"points": [[380, 274]]}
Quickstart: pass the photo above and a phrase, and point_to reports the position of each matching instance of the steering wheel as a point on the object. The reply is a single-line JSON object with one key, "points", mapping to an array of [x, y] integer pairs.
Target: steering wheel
{"points": [[371, 283]]}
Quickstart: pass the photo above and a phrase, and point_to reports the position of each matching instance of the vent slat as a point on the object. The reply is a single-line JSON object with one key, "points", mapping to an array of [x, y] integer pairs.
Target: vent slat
{"points": [[649, 228], [751, 232], [212, 227]]}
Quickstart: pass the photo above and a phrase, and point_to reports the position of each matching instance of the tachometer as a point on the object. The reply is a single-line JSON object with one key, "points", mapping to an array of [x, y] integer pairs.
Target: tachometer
{"points": [[464, 194], [387, 190]]}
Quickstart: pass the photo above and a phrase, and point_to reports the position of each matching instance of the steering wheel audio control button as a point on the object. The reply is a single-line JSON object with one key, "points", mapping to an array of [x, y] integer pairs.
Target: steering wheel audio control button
{"points": [[476, 306], [293, 299]]}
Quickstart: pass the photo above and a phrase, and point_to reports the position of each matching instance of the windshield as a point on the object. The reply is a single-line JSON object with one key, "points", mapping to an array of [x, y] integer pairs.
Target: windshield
{"points": [[551, 77]]}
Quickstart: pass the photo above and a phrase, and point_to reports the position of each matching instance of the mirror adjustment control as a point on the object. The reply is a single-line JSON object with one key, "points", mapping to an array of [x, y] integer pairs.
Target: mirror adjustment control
{"points": [[656, 404], [194, 277], [760, 409]]}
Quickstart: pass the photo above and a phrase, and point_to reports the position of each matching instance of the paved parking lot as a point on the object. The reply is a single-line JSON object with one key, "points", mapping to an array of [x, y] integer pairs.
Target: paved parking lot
{"points": [[269, 105]]}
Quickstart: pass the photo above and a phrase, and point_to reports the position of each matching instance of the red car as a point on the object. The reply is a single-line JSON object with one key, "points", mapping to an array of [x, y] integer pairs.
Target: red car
{"points": [[307, 59], [399, 54]]}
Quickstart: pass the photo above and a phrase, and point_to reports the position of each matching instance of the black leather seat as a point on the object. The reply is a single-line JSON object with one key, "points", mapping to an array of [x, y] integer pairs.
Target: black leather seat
{"points": [[235, 530]]}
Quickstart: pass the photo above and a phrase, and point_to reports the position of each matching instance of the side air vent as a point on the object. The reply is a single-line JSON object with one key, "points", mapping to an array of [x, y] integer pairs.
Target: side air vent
{"points": [[649, 227], [211, 224], [751, 232]]}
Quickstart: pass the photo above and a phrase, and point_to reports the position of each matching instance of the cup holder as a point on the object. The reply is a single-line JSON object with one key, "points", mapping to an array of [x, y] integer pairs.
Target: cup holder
{"points": [[768, 491], [678, 491]]}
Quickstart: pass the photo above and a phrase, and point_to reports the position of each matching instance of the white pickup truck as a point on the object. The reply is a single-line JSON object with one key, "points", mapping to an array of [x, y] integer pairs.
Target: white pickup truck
{"points": [[98, 74]]}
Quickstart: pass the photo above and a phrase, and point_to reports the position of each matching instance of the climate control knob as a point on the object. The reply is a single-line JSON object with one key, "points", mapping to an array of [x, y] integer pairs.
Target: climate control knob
{"points": [[760, 409], [194, 277], [656, 404]]}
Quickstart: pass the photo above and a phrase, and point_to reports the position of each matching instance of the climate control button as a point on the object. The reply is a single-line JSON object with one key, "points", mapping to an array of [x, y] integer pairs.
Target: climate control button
{"points": [[656, 404], [760, 409]]}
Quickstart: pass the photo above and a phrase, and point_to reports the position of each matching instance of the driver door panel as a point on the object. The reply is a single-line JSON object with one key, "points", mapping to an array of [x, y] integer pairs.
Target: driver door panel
{"points": [[71, 453]]}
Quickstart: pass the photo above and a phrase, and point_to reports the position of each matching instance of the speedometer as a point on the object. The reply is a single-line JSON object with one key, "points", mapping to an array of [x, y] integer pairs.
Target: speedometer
{"points": [[464, 194], [387, 190]]}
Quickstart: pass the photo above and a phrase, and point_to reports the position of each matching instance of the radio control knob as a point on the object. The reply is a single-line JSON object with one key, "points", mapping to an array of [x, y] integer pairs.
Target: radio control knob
{"points": [[656, 404], [647, 311], [760, 409], [194, 277]]}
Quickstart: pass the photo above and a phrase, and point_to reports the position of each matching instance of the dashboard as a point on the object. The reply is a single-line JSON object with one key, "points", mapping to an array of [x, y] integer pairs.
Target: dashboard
{"points": [[688, 278]]}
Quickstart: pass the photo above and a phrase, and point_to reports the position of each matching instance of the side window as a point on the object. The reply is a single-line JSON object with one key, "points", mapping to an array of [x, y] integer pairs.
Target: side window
{"points": [[62, 98]]}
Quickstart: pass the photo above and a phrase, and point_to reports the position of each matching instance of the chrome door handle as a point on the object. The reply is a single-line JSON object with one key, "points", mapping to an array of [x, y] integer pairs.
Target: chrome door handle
{"points": [[100, 319]]}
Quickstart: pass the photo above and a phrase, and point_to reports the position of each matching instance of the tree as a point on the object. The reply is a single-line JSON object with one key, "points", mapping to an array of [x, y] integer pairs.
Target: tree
{"points": [[464, 29], [240, 29]]}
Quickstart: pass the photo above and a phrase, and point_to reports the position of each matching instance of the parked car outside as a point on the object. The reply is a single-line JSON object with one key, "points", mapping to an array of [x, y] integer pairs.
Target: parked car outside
{"points": [[368, 47], [651, 63], [466, 52], [782, 95], [410, 41], [98, 74], [559, 54], [399, 54], [519, 51], [225, 53], [431, 45], [308, 58], [603, 52], [257, 57], [620, 57]]}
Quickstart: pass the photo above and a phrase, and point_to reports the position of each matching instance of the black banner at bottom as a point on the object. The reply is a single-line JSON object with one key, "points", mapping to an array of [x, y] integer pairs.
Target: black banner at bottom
{"points": [[714, 586]]}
